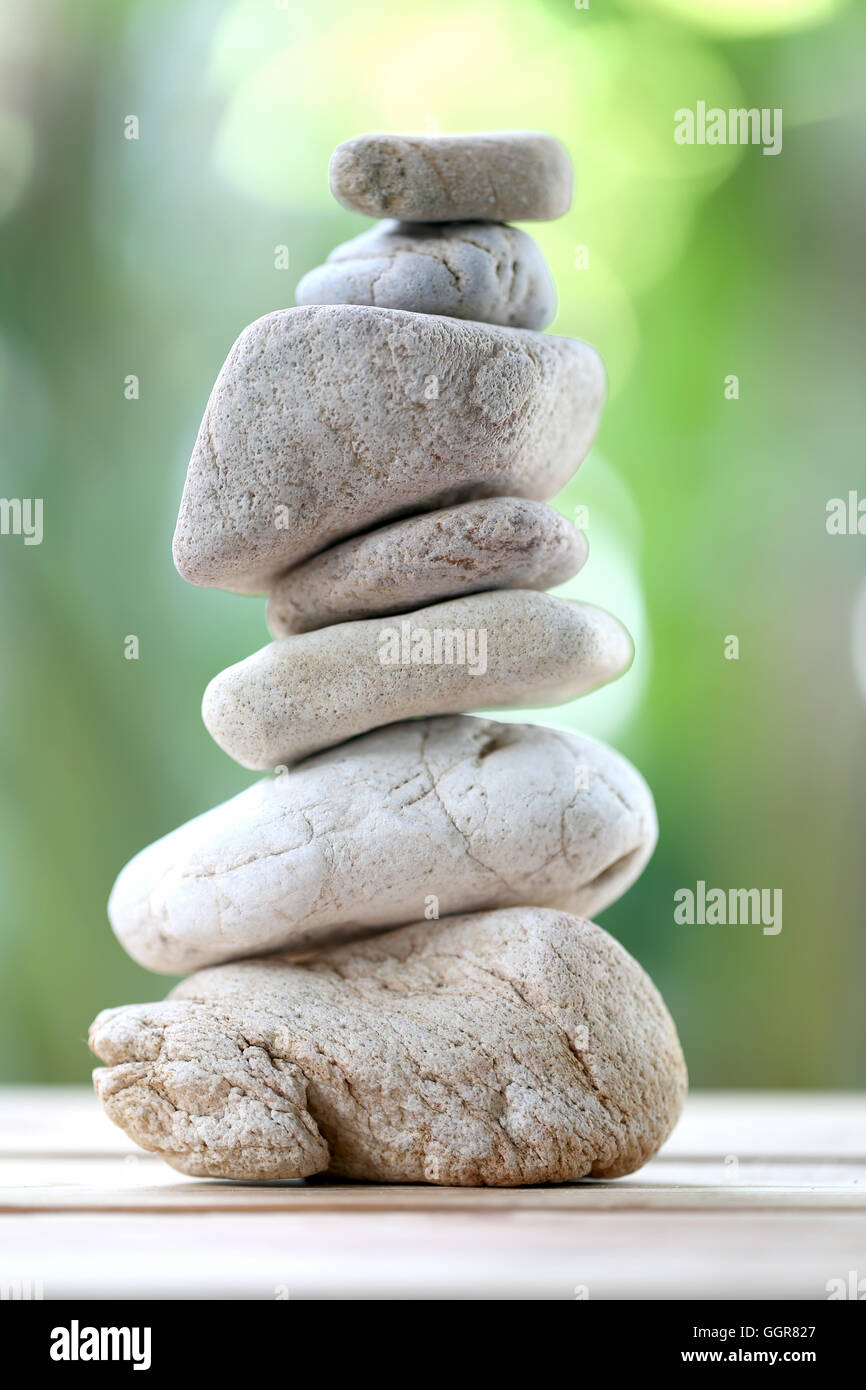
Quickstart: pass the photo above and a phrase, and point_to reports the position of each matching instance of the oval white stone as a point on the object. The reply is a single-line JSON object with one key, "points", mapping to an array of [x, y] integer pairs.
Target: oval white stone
{"points": [[432, 816]]}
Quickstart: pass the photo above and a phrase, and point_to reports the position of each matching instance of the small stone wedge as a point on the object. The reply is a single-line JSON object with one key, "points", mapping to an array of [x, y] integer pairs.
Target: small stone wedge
{"points": [[498, 543]]}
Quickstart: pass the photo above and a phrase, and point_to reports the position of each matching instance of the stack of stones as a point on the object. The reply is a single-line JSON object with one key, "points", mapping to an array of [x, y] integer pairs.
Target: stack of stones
{"points": [[394, 974]]}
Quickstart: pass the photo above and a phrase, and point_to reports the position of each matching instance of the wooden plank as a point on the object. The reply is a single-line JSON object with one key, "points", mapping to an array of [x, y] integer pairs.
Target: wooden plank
{"points": [[755, 1196], [434, 1255], [748, 1124], [147, 1185], [57, 1119], [66, 1119]]}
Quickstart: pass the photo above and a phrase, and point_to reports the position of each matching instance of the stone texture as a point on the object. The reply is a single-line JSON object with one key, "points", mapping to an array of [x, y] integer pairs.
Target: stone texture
{"points": [[512, 1047], [304, 693], [504, 176], [469, 270], [499, 543], [452, 814], [328, 419]]}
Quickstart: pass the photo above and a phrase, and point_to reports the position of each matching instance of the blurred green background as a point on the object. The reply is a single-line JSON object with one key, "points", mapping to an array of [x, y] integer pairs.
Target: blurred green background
{"points": [[706, 516]]}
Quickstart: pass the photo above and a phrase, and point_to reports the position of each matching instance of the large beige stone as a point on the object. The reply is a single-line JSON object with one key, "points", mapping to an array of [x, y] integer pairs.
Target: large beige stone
{"points": [[438, 815], [501, 176], [498, 543], [486, 651], [328, 419], [469, 270], [512, 1047]]}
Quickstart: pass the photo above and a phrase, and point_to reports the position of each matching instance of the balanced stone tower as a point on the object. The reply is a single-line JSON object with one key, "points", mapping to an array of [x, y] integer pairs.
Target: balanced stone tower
{"points": [[395, 978]]}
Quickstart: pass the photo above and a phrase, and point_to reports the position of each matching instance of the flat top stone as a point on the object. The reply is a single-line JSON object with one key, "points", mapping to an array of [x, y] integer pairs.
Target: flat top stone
{"points": [[498, 543], [435, 815], [524, 1046], [329, 419], [501, 176], [468, 270], [485, 651]]}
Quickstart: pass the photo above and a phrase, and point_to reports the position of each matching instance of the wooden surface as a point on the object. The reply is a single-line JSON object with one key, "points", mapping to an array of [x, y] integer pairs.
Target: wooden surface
{"points": [[754, 1196]]}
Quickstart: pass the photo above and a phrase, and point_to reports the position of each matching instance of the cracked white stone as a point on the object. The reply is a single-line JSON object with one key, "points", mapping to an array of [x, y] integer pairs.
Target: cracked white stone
{"points": [[523, 1046], [328, 419], [438, 815], [468, 270]]}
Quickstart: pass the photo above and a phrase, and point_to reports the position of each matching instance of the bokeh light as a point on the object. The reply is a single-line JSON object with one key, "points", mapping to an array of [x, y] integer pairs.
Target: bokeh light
{"points": [[734, 18]]}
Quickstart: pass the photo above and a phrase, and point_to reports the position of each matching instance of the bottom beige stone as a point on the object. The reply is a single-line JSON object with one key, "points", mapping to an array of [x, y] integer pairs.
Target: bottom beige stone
{"points": [[508, 1047]]}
